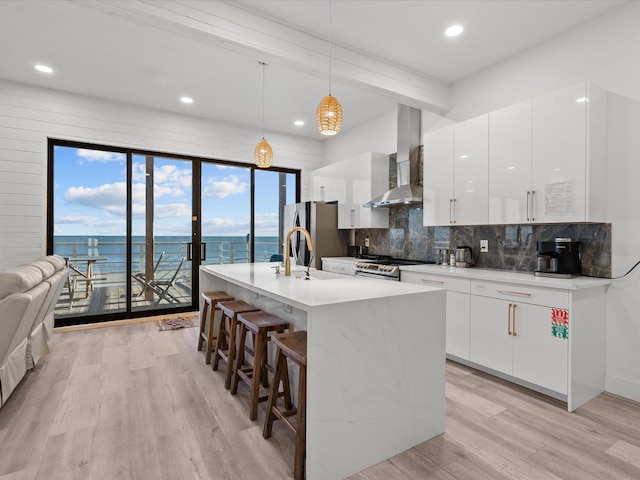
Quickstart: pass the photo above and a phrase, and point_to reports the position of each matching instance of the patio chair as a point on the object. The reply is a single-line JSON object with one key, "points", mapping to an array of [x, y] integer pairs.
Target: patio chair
{"points": [[141, 276], [161, 286]]}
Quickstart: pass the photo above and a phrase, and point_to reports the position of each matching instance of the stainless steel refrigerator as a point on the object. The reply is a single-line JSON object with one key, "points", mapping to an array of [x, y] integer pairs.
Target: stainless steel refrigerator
{"points": [[321, 221]]}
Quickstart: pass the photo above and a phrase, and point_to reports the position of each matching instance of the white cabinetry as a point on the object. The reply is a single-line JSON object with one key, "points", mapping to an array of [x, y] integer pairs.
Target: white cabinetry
{"points": [[458, 308], [548, 158], [456, 174], [339, 265], [360, 179], [324, 184], [352, 183], [510, 164], [507, 324], [514, 337], [569, 155]]}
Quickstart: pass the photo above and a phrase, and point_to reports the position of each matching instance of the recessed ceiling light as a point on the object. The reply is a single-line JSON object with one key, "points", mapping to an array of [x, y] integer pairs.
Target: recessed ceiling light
{"points": [[454, 30], [298, 123], [44, 69], [186, 99], [582, 100]]}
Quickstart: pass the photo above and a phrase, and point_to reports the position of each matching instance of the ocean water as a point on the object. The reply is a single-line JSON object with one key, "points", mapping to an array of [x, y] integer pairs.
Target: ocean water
{"points": [[220, 249]]}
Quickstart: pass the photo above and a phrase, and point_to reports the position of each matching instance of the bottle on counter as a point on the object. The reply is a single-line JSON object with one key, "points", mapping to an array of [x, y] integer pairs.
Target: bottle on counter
{"points": [[452, 260], [445, 257]]}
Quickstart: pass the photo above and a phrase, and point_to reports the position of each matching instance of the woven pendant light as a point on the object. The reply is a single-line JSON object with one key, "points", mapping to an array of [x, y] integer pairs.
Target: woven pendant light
{"points": [[263, 153], [329, 111]]}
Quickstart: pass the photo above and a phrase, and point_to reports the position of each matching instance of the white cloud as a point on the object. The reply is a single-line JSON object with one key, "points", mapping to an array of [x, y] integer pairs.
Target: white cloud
{"points": [[173, 210], [225, 226], [100, 156], [221, 188], [110, 197]]}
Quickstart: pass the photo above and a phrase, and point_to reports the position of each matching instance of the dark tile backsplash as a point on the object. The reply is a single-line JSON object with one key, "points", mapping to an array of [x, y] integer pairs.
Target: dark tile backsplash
{"points": [[511, 247]]}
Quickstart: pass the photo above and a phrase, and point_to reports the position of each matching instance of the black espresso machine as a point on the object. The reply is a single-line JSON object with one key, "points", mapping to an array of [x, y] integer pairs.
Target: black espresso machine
{"points": [[561, 258]]}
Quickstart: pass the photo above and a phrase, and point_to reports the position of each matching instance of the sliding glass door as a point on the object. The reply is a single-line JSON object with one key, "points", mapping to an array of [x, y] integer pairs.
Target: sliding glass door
{"points": [[226, 214], [161, 227], [88, 194], [134, 227]]}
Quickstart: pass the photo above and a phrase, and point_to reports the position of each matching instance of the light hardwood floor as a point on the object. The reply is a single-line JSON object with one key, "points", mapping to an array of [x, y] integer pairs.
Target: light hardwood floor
{"points": [[130, 402]]}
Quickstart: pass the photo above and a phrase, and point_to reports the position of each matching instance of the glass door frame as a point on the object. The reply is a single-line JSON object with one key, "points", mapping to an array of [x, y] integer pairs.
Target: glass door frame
{"points": [[196, 223]]}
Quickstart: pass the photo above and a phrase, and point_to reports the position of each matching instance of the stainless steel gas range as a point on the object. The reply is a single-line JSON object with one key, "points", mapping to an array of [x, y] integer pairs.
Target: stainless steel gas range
{"points": [[381, 266]]}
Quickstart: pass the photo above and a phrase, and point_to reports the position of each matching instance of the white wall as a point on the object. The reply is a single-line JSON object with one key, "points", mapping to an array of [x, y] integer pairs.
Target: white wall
{"points": [[28, 116], [605, 52]]}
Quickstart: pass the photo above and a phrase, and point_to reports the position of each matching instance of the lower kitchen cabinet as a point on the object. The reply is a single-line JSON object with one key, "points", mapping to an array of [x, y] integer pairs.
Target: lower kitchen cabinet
{"points": [[516, 338], [458, 308], [547, 335], [339, 265]]}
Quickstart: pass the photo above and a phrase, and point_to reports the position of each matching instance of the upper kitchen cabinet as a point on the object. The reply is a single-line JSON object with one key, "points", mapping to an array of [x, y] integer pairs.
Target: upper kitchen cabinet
{"points": [[510, 164], [362, 178], [324, 184], [547, 160], [568, 155], [456, 174]]}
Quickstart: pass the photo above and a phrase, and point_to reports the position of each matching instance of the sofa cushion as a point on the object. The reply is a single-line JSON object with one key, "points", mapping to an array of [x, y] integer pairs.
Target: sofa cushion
{"points": [[56, 260], [45, 267], [19, 279]]}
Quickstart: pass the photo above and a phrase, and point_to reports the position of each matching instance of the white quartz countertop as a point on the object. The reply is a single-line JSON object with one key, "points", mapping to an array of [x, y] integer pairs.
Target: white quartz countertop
{"points": [[324, 288], [522, 278]]}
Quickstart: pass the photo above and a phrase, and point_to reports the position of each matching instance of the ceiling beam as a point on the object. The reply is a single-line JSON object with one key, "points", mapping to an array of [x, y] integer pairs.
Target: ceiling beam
{"points": [[232, 26]]}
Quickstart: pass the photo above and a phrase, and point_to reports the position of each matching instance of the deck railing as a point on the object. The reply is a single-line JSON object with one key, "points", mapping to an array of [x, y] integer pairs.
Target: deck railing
{"points": [[114, 253]]}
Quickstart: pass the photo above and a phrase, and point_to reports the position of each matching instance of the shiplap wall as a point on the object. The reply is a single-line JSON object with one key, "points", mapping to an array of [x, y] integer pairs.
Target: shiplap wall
{"points": [[30, 115]]}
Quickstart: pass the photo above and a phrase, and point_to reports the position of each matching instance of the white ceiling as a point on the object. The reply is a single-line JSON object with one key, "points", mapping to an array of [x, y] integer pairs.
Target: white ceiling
{"points": [[151, 52]]}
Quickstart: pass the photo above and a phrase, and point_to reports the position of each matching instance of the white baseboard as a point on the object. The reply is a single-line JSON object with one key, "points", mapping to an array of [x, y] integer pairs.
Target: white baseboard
{"points": [[622, 387]]}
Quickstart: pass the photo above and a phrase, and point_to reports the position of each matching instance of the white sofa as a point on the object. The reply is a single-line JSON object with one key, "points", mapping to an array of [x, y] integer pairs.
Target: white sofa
{"points": [[28, 294]]}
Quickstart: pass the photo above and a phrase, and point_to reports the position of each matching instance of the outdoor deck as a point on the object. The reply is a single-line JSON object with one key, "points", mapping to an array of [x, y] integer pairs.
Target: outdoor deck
{"points": [[109, 296]]}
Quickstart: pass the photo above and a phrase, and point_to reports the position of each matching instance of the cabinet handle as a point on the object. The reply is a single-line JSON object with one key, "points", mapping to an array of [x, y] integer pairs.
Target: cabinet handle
{"points": [[509, 319], [436, 282], [450, 207], [452, 217], [513, 320], [533, 197], [511, 292], [528, 196], [353, 218]]}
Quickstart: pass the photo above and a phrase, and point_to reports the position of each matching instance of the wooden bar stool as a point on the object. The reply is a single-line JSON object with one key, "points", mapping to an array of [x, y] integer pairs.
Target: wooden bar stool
{"points": [[260, 325], [230, 311], [293, 346], [211, 300]]}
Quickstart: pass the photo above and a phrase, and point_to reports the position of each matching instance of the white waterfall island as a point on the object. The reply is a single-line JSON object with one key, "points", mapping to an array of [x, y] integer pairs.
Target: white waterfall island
{"points": [[376, 359]]}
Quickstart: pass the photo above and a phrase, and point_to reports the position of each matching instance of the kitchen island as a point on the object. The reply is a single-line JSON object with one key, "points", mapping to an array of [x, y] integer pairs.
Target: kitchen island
{"points": [[376, 359]]}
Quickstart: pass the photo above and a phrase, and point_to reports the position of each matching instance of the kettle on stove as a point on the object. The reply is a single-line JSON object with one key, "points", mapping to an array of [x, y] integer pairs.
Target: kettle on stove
{"points": [[464, 257]]}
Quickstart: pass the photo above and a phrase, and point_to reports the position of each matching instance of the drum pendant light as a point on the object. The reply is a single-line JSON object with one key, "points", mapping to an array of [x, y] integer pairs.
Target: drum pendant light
{"points": [[329, 111], [263, 152]]}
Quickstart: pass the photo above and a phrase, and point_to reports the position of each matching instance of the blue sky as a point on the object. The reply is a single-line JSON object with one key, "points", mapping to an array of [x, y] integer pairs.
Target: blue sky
{"points": [[90, 196]]}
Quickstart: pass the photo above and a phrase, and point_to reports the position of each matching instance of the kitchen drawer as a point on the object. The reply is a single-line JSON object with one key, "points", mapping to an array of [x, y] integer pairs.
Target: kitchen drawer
{"points": [[549, 297], [344, 268], [451, 284]]}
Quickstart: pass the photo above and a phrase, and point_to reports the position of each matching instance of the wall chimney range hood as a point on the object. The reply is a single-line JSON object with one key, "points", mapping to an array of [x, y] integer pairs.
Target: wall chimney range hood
{"points": [[408, 190]]}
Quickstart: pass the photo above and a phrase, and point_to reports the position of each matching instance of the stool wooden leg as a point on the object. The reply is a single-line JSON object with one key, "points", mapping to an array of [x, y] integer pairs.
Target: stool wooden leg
{"points": [[203, 322], [301, 429], [258, 359], [210, 336], [220, 340], [240, 360], [273, 394], [232, 352]]}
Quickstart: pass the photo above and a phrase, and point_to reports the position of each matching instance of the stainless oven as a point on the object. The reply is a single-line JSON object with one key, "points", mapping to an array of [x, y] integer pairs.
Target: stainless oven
{"points": [[376, 270], [382, 267]]}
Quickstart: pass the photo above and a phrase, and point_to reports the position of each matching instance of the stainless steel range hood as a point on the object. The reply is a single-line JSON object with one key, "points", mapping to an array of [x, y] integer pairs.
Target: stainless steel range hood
{"points": [[408, 190]]}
